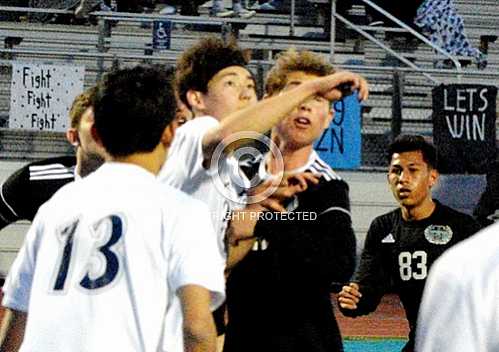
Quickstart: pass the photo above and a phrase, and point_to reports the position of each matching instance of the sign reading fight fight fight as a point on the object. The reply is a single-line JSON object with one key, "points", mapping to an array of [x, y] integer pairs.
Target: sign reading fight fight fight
{"points": [[464, 129], [340, 144], [41, 95]]}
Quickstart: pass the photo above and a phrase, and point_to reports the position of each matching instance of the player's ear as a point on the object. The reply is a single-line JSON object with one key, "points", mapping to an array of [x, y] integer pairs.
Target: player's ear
{"points": [[195, 100], [168, 134], [73, 137], [433, 177]]}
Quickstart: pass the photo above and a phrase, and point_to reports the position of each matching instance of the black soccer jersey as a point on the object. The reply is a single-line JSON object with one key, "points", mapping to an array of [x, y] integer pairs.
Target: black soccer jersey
{"points": [[29, 187], [278, 296], [399, 254]]}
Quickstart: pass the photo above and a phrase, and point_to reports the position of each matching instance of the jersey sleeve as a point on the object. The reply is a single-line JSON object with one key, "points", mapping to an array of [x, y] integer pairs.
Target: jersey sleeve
{"points": [[446, 320], [195, 258], [14, 193], [186, 149], [17, 287], [371, 276], [319, 250]]}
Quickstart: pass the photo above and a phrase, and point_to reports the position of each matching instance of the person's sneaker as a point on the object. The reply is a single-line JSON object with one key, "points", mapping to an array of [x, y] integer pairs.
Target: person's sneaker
{"points": [[273, 5], [225, 13], [168, 10], [104, 7], [245, 13], [240, 11], [217, 7]]}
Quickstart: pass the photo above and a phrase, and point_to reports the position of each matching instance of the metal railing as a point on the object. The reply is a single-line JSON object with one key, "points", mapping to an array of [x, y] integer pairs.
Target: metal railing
{"points": [[36, 10], [405, 27]]}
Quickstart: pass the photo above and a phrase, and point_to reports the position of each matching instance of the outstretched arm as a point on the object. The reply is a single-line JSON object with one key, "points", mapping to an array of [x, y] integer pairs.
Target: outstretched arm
{"points": [[269, 112]]}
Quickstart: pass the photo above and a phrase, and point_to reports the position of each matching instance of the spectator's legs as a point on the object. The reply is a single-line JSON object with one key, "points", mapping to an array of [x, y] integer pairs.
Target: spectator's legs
{"points": [[217, 8], [240, 9], [190, 8], [273, 5], [128, 6]]}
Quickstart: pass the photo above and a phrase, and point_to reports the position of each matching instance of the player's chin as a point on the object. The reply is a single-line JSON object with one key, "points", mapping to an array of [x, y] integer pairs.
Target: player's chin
{"points": [[405, 201]]}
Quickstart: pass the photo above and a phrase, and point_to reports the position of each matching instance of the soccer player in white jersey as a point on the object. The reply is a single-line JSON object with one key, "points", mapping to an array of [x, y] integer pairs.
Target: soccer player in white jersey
{"points": [[107, 255], [212, 79], [26, 189], [459, 311]]}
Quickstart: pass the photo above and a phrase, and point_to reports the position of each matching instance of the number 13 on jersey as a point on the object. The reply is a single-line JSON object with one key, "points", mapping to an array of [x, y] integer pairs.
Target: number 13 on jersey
{"points": [[108, 234], [406, 261]]}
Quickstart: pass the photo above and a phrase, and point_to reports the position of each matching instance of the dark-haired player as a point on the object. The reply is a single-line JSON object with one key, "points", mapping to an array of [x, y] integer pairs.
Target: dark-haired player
{"points": [[402, 245], [213, 81], [25, 190], [32, 185], [105, 272]]}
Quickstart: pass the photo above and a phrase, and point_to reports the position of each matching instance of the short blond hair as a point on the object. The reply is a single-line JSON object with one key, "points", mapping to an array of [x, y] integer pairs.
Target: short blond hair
{"points": [[293, 60], [81, 103]]}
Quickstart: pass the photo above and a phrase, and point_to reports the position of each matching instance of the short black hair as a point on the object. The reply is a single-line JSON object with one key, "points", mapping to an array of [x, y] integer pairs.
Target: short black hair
{"points": [[132, 107], [414, 142], [198, 64]]}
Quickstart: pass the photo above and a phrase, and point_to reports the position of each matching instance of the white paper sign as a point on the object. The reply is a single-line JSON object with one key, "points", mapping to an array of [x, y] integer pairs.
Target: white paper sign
{"points": [[41, 95]]}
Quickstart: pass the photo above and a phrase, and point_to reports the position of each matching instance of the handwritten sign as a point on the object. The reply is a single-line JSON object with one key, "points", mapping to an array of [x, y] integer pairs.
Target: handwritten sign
{"points": [[340, 143], [41, 95], [161, 35], [464, 128]]}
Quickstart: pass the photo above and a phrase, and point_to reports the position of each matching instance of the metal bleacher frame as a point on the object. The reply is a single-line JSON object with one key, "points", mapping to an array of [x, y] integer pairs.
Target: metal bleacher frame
{"points": [[103, 47]]}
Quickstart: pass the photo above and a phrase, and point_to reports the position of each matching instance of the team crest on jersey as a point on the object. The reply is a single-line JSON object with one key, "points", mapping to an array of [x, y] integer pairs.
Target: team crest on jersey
{"points": [[438, 234]]}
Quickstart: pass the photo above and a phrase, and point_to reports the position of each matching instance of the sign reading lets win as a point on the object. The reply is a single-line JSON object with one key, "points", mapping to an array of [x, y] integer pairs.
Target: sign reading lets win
{"points": [[464, 127], [41, 95]]}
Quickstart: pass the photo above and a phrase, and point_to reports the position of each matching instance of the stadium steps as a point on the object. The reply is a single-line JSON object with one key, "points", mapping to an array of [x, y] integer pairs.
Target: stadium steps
{"points": [[17, 144]]}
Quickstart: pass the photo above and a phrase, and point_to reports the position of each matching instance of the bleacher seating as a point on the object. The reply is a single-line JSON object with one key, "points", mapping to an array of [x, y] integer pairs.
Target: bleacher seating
{"points": [[129, 41]]}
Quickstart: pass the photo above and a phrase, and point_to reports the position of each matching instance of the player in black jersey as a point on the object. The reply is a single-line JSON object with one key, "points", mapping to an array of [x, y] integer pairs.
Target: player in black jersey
{"points": [[278, 295], [32, 185], [402, 245], [28, 188]]}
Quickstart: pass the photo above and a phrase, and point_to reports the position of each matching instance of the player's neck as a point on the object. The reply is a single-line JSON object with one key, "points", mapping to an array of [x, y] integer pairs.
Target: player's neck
{"points": [[419, 212], [151, 161], [86, 164], [293, 158]]}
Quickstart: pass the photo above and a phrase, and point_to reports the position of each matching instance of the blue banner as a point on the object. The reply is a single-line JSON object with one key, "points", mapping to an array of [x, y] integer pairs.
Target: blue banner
{"points": [[161, 35], [340, 144]]}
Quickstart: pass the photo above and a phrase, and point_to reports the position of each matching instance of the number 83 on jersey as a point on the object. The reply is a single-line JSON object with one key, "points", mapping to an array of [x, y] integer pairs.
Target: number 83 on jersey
{"points": [[413, 265]]}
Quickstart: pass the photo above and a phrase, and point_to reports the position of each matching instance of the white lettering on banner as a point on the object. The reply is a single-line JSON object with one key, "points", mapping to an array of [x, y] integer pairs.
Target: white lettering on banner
{"points": [[460, 125], [484, 100], [465, 112], [42, 95]]}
